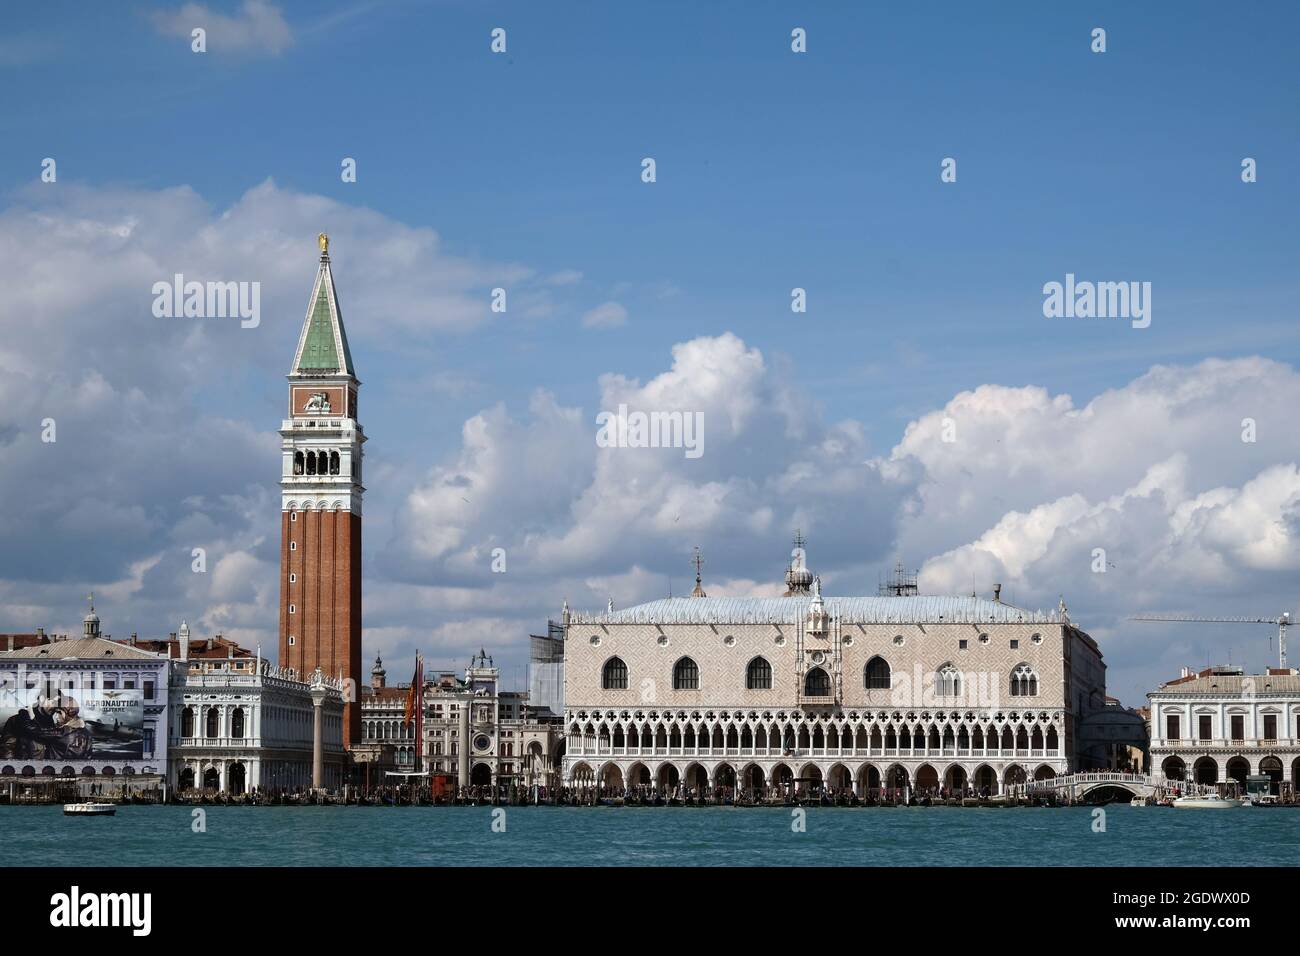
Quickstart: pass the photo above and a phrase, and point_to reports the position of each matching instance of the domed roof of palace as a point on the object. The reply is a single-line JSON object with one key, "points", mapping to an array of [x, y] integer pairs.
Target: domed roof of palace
{"points": [[890, 609]]}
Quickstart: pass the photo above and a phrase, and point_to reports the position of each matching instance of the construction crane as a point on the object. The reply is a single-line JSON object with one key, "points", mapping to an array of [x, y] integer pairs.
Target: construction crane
{"points": [[1282, 623]]}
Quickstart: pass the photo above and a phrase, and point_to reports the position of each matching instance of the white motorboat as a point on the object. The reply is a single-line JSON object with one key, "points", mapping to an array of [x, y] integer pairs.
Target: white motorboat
{"points": [[1205, 803], [89, 809]]}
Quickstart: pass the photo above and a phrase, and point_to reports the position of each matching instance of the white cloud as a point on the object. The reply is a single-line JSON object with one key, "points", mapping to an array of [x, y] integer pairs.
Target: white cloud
{"points": [[607, 315], [562, 508], [564, 277], [154, 453], [1154, 474], [152, 461], [257, 27]]}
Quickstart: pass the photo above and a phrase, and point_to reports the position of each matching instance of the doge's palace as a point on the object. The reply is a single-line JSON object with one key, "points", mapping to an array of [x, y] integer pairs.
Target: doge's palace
{"points": [[805, 691]]}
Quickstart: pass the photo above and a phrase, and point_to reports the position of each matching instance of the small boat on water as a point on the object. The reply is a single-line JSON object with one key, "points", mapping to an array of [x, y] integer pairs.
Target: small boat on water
{"points": [[89, 809], [1205, 803]]}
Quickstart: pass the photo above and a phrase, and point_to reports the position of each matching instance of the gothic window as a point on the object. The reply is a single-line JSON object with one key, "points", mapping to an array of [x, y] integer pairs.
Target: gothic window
{"points": [[1024, 682], [875, 676], [298, 463], [817, 683], [334, 463], [947, 682], [758, 675], [686, 675], [614, 675], [237, 723]]}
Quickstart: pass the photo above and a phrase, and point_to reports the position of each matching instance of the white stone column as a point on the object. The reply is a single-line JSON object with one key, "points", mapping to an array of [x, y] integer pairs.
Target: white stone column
{"points": [[318, 729]]}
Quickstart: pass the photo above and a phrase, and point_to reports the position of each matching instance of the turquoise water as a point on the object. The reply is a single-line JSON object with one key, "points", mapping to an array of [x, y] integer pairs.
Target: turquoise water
{"points": [[565, 836]]}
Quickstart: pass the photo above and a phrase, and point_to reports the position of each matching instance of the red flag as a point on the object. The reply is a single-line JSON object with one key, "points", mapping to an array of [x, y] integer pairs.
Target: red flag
{"points": [[413, 695]]}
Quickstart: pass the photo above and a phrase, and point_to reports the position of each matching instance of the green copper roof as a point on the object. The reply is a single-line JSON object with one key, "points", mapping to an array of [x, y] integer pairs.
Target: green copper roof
{"points": [[319, 353]]}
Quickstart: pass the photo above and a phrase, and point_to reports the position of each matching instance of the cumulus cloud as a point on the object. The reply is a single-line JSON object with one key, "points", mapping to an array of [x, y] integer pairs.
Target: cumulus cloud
{"points": [[564, 509], [257, 27], [166, 443], [1177, 492], [127, 440]]}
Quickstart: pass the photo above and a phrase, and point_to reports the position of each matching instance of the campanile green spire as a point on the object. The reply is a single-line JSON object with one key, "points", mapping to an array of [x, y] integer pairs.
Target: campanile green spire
{"points": [[323, 344]]}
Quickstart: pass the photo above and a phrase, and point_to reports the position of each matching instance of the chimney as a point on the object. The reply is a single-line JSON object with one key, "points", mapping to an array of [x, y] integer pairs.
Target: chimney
{"points": [[133, 638], [997, 593], [185, 641], [40, 633]]}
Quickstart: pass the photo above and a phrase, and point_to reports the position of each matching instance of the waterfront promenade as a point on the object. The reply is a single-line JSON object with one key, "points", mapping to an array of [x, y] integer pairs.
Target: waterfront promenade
{"points": [[1092, 788]]}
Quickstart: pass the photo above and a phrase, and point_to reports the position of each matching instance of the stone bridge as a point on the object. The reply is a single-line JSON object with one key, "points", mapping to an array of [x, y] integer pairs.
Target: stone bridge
{"points": [[1105, 786]]}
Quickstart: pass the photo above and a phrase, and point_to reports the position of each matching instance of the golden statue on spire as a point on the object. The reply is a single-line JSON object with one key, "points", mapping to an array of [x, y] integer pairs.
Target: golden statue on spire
{"points": [[324, 241]]}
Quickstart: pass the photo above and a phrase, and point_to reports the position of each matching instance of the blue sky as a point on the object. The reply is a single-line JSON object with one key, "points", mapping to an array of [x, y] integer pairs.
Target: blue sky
{"points": [[775, 170]]}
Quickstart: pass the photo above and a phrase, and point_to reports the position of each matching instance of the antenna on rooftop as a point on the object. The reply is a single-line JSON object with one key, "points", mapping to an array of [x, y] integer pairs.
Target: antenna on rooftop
{"points": [[901, 584]]}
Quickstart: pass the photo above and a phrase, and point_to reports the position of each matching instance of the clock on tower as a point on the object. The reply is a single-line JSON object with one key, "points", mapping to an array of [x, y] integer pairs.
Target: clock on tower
{"points": [[320, 502]]}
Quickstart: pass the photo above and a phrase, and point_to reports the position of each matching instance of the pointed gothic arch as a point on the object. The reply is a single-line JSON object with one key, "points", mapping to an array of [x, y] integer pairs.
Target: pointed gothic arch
{"points": [[686, 674], [613, 676], [876, 674]]}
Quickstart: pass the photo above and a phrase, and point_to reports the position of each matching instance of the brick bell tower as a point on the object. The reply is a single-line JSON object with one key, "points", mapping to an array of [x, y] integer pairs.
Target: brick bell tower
{"points": [[320, 502]]}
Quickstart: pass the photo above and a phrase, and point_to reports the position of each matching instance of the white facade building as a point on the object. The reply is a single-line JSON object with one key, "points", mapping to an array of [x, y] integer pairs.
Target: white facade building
{"points": [[240, 723], [852, 693], [76, 683], [1222, 724]]}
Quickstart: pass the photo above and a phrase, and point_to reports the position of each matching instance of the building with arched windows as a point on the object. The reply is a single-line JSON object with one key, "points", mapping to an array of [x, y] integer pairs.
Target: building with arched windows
{"points": [[811, 691], [479, 734], [1223, 726], [239, 723]]}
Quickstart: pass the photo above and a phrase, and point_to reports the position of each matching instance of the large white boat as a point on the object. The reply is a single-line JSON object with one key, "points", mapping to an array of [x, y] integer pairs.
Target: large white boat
{"points": [[1212, 802], [89, 809]]}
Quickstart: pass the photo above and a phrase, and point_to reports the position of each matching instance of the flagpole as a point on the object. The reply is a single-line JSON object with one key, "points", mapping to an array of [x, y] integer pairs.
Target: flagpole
{"points": [[419, 712]]}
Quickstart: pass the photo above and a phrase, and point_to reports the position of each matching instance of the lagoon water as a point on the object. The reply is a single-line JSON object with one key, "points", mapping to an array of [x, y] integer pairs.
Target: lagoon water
{"points": [[648, 836]]}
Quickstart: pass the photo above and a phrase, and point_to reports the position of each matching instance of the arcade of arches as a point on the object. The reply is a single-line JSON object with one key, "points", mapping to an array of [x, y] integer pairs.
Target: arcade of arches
{"points": [[793, 776], [1217, 770], [923, 751]]}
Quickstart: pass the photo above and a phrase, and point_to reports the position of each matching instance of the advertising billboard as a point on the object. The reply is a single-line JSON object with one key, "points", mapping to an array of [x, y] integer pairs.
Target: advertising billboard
{"points": [[85, 724]]}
